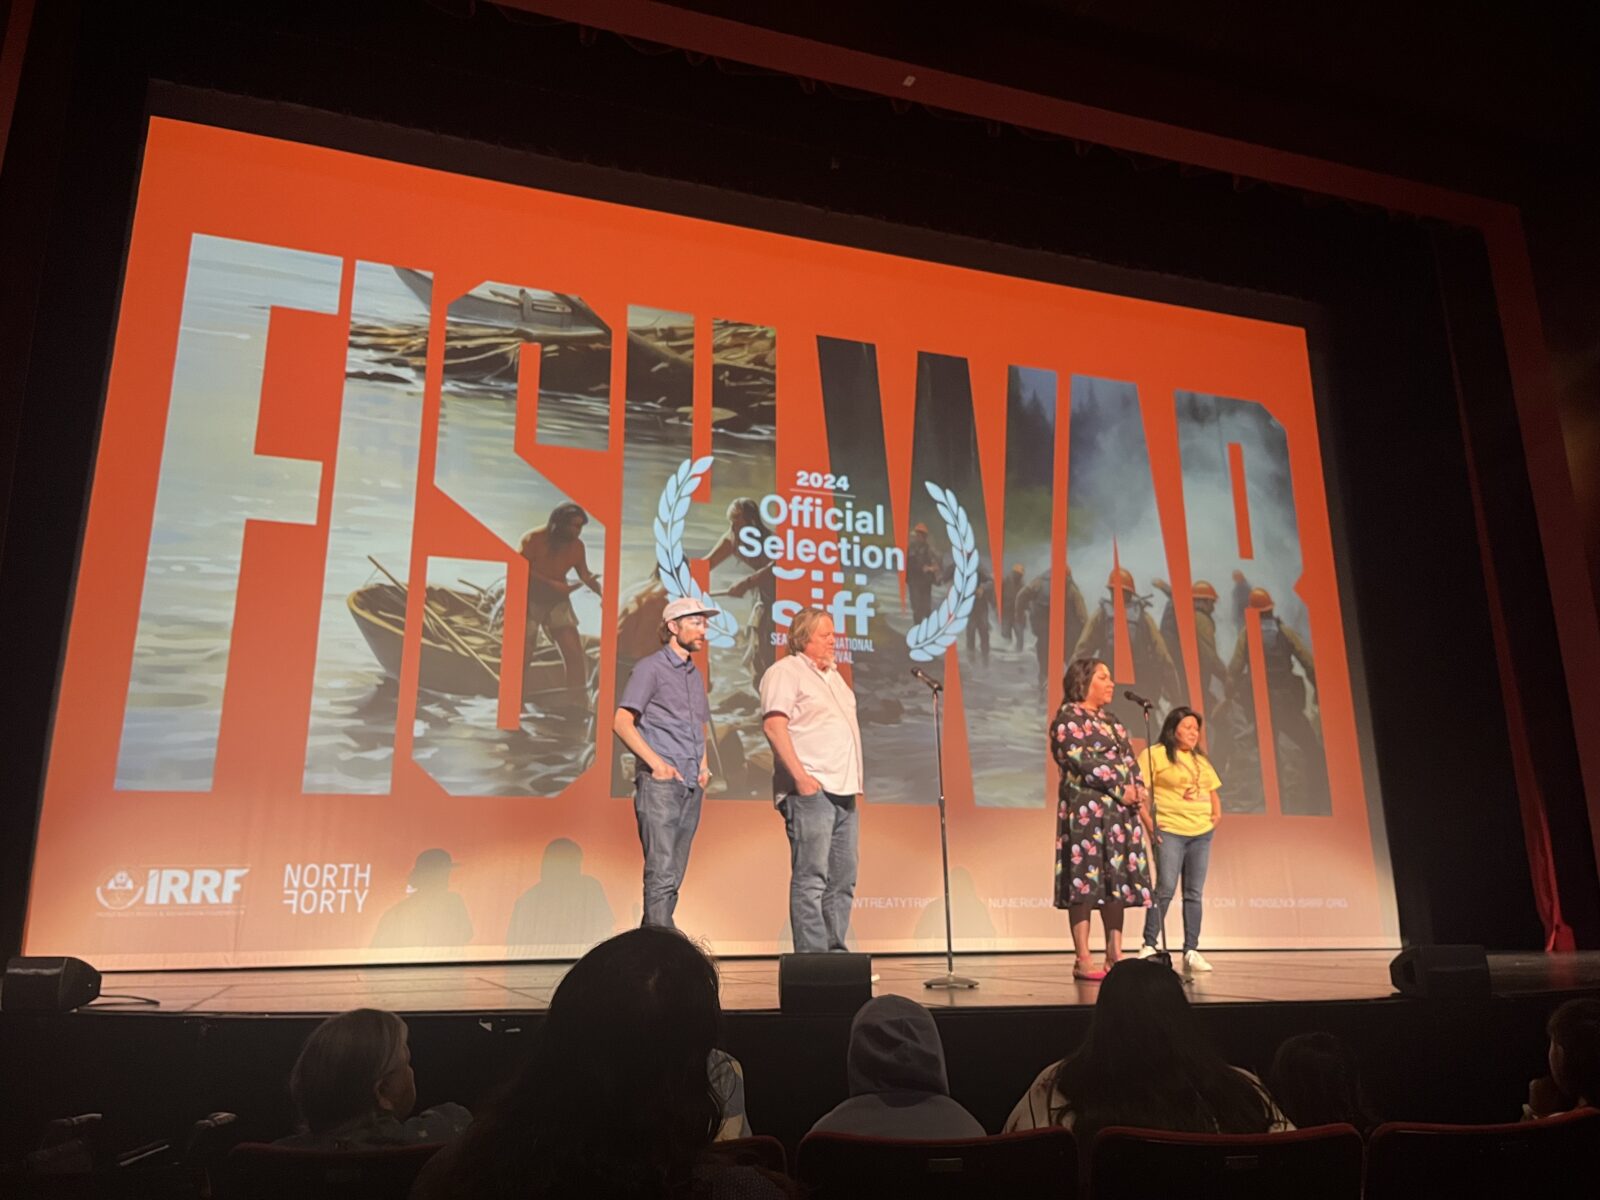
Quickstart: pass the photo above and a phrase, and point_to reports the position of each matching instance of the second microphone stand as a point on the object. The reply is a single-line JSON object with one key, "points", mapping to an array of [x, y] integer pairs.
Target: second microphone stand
{"points": [[949, 981]]}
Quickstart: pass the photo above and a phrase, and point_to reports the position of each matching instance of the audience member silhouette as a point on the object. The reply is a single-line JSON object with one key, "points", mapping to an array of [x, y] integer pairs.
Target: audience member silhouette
{"points": [[1316, 1081], [354, 1089], [614, 1101], [1146, 1062], [898, 1084], [1574, 1056]]}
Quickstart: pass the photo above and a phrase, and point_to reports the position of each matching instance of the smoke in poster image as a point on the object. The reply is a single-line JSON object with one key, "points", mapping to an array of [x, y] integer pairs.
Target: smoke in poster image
{"points": [[1253, 672], [1257, 674]]}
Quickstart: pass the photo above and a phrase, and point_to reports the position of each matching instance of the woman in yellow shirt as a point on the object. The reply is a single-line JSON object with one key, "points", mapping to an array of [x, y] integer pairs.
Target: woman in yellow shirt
{"points": [[1184, 787]]}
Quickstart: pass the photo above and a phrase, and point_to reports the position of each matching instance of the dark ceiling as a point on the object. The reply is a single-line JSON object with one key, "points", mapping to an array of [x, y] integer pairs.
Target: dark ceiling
{"points": [[1471, 93]]}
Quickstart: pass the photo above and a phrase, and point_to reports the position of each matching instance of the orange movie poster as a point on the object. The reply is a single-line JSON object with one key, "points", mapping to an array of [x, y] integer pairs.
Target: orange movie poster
{"points": [[312, 711]]}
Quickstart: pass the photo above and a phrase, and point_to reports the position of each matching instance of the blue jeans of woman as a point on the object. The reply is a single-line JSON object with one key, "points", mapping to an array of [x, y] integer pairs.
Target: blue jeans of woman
{"points": [[1189, 858]]}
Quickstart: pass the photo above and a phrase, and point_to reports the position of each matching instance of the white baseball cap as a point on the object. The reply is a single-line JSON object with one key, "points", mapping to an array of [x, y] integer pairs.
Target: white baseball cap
{"points": [[688, 606]]}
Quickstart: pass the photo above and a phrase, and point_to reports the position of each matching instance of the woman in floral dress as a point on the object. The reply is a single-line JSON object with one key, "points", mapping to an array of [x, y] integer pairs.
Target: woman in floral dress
{"points": [[1102, 849]]}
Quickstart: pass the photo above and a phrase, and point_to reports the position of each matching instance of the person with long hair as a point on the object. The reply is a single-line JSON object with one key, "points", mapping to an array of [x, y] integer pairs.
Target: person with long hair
{"points": [[1102, 857], [1183, 786], [614, 1101], [1145, 1062], [353, 1088], [1316, 1081]]}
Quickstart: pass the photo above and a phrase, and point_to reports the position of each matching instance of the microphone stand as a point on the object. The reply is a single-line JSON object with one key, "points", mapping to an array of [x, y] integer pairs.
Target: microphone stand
{"points": [[1163, 955], [949, 981]]}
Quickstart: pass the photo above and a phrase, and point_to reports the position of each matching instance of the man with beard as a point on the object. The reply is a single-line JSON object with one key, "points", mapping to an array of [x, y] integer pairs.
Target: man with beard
{"points": [[662, 717], [553, 550]]}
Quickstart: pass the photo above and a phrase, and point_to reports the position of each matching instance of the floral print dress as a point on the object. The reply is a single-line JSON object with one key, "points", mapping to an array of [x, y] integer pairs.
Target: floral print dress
{"points": [[1101, 853]]}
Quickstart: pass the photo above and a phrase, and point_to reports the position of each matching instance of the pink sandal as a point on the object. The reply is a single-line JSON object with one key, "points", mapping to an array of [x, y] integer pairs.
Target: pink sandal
{"points": [[1088, 976]]}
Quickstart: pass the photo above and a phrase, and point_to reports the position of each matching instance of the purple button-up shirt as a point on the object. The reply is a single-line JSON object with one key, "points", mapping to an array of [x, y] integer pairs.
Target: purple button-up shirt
{"points": [[667, 696]]}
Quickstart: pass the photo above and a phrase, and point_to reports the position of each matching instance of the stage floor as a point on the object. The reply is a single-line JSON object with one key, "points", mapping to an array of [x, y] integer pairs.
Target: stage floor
{"points": [[751, 985]]}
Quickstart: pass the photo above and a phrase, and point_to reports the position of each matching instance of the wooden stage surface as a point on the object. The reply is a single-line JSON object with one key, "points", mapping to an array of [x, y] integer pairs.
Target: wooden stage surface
{"points": [[751, 985]]}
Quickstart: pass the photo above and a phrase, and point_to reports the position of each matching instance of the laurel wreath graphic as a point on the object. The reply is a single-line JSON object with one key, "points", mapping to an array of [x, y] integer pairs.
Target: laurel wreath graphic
{"points": [[671, 510], [937, 632]]}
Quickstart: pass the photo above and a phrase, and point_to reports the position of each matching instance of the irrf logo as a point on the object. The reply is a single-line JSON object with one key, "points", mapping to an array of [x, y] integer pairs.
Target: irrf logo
{"points": [[173, 887]]}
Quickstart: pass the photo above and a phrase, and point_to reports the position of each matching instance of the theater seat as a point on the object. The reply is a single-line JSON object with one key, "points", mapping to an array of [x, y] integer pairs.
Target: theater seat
{"points": [[257, 1171], [764, 1152], [1040, 1164], [1323, 1163], [1551, 1157]]}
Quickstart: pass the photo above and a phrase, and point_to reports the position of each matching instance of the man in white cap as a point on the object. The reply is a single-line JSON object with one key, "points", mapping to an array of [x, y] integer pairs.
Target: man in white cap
{"points": [[662, 717]]}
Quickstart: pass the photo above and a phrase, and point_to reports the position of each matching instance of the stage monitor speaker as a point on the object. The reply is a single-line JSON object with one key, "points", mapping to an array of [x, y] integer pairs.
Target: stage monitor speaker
{"points": [[44, 985], [1441, 972], [824, 984]]}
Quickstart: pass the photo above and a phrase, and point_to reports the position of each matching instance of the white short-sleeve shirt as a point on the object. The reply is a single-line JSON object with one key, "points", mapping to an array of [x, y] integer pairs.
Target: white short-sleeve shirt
{"points": [[822, 724]]}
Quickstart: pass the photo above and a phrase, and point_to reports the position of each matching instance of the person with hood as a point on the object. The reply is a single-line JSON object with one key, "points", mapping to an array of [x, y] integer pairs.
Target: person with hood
{"points": [[898, 1086]]}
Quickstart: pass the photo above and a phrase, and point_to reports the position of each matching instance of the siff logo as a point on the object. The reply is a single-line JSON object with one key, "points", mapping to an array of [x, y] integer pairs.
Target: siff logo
{"points": [[837, 544], [172, 887]]}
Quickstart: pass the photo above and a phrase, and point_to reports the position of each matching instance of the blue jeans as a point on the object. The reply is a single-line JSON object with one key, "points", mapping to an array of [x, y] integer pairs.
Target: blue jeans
{"points": [[668, 812], [823, 829], [1189, 857]]}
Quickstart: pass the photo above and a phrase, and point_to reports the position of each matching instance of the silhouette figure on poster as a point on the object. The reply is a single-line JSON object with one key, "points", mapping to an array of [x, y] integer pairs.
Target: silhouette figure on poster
{"points": [[431, 914], [565, 910]]}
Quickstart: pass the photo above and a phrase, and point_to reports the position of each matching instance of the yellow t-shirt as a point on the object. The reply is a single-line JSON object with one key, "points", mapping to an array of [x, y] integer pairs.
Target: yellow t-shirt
{"points": [[1169, 780]]}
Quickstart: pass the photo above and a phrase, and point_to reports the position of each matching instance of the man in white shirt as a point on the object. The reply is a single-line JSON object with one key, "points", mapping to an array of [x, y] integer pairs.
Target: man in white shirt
{"points": [[809, 717]]}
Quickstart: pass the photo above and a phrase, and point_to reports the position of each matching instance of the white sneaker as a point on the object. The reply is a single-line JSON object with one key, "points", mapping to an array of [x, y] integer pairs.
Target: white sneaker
{"points": [[1148, 951], [1194, 961]]}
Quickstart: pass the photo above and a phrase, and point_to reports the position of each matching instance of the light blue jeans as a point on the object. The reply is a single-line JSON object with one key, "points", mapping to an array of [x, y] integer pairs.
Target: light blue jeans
{"points": [[668, 813], [1189, 857], [823, 830]]}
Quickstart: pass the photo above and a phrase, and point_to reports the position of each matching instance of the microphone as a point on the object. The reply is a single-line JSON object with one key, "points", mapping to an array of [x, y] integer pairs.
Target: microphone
{"points": [[1139, 700], [927, 679]]}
